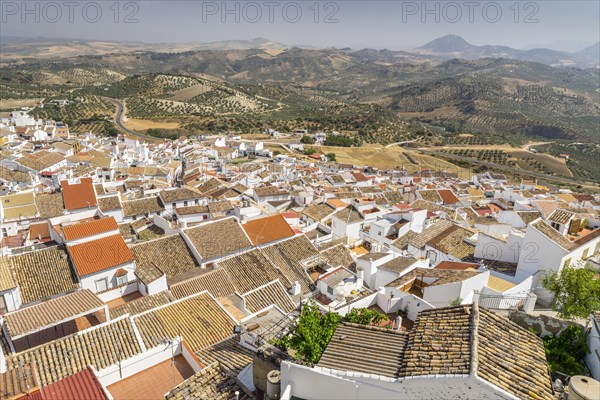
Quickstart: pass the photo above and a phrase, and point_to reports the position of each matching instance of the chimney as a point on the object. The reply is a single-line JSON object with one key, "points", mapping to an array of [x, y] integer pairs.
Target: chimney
{"points": [[398, 323], [296, 289], [360, 277]]}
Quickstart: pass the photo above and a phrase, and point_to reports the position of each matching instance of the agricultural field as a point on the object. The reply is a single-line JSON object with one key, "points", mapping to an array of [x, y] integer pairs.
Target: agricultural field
{"points": [[392, 157], [582, 161], [541, 163]]}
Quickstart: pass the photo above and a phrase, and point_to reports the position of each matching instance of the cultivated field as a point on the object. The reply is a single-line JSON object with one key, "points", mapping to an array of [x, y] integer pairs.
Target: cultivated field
{"points": [[143, 124], [18, 103]]}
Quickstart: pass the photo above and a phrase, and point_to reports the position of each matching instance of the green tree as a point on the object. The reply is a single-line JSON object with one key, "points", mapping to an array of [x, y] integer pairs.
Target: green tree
{"points": [[576, 291], [565, 352], [307, 139], [311, 333], [331, 156], [310, 150], [364, 316]]}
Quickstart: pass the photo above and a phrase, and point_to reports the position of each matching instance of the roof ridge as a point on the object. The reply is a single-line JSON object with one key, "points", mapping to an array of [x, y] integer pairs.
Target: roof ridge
{"points": [[474, 338], [374, 328]]}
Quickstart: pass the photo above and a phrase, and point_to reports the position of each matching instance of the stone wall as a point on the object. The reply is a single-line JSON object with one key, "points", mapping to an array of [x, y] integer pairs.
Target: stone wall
{"points": [[543, 325]]}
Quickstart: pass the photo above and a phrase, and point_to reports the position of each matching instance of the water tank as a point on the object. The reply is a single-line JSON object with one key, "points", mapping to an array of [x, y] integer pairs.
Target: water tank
{"points": [[273, 384], [584, 388]]}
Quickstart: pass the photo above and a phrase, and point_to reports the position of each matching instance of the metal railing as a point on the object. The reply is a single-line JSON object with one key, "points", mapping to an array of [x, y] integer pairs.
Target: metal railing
{"points": [[497, 302]]}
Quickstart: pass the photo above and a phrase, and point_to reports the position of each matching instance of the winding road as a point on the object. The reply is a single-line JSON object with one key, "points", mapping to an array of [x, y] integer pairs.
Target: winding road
{"points": [[119, 122]]}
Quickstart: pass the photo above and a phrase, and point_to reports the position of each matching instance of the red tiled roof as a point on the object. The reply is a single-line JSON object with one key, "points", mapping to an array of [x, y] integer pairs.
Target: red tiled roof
{"points": [[100, 254], [82, 385], [457, 266], [41, 230], [447, 196], [78, 195], [267, 229], [90, 228]]}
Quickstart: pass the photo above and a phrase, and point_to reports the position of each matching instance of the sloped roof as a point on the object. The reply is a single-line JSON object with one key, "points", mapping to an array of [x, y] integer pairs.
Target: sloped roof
{"points": [[218, 238], [79, 195], [168, 255], [89, 228], [199, 319], [52, 312], [100, 347], [463, 340], [216, 282], [43, 273], [267, 229], [366, 349], [100, 254], [251, 270], [212, 382], [82, 385], [265, 296], [49, 205]]}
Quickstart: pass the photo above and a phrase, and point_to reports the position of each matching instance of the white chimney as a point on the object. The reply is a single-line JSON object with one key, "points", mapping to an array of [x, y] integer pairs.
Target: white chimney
{"points": [[360, 277], [296, 288], [398, 323]]}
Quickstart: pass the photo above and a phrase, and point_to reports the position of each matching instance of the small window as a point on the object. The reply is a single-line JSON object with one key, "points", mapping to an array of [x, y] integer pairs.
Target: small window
{"points": [[567, 263], [329, 290], [173, 205], [185, 203], [121, 280], [585, 253], [205, 217], [101, 285]]}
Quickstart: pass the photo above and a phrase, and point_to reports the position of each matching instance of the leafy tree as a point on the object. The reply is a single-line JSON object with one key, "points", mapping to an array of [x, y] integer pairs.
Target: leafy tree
{"points": [[110, 129], [331, 156], [565, 352], [576, 291], [307, 139], [364, 316], [339, 140], [309, 151], [311, 333]]}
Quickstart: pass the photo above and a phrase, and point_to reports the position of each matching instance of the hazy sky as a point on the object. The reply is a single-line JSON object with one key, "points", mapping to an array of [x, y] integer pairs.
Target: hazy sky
{"points": [[565, 25]]}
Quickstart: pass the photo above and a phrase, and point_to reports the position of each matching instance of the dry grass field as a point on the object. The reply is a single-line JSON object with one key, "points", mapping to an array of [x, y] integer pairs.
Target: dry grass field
{"points": [[143, 124], [393, 157], [18, 103]]}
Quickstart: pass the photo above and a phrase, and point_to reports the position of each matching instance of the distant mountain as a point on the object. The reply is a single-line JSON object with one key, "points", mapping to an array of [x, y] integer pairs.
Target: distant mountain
{"points": [[453, 46]]}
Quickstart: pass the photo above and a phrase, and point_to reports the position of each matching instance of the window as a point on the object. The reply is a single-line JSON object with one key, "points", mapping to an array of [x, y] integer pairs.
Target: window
{"points": [[121, 280], [329, 290], [185, 203], [101, 285], [205, 217], [567, 263], [173, 205], [585, 253]]}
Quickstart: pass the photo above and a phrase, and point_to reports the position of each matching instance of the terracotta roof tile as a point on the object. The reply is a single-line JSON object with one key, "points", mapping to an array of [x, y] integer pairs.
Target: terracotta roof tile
{"points": [[79, 195], [267, 229], [218, 238], [199, 319], [100, 347], [43, 273], [168, 255], [216, 282], [89, 228], [100, 254], [82, 385], [366, 349], [50, 313], [49, 205], [272, 293]]}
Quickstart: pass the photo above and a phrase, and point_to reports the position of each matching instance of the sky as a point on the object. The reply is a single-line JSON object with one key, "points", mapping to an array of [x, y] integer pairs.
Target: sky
{"points": [[397, 25]]}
